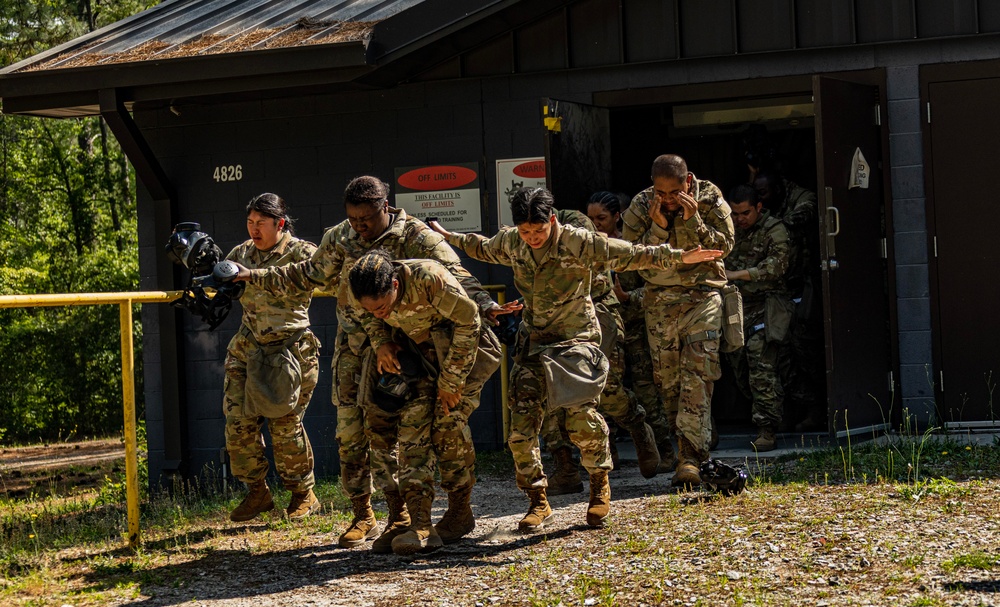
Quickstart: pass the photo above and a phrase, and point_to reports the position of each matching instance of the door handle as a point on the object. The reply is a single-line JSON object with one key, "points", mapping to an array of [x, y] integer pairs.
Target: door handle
{"points": [[836, 220]]}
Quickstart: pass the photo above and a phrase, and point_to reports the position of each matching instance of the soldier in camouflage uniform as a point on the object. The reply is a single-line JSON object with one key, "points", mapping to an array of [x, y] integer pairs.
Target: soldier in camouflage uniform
{"points": [[268, 321], [433, 318], [684, 304], [371, 223], [757, 266], [552, 266], [802, 364], [616, 402], [605, 210]]}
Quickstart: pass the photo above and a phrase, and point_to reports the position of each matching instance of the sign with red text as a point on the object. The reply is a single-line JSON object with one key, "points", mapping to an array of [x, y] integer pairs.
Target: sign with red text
{"points": [[513, 174], [449, 192]]}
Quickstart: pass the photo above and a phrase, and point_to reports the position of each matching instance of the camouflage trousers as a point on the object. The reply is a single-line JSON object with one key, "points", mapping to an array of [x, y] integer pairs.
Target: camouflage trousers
{"points": [[293, 455], [528, 403], [802, 363], [427, 439], [616, 402], [755, 367], [639, 373], [684, 327], [359, 462]]}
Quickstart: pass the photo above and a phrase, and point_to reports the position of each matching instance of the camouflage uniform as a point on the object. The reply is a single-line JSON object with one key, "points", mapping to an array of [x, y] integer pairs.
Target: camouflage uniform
{"points": [[557, 311], [405, 238], [271, 320], [802, 363], [434, 312], [615, 402], [683, 308], [638, 362], [763, 250]]}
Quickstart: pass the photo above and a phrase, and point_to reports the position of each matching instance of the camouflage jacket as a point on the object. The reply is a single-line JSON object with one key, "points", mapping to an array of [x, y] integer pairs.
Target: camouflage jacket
{"points": [[631, 309], [711, 227], [431, 298], [273, 318], [600, 287], [556, 290], [799, 214], [762, 250], [405, 238]]}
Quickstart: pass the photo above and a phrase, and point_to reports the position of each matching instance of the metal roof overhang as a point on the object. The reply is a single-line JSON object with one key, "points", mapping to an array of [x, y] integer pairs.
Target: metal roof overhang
{"points": [[75, 91]]}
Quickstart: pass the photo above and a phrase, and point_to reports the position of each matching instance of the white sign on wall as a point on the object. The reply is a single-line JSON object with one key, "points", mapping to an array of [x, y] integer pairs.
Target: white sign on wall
{"points": [[515, 173], [449, 192]]}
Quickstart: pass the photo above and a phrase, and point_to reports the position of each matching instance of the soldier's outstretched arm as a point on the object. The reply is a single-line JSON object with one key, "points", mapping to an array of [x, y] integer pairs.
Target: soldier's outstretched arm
{"points": [[320, 270], [478, 247]]}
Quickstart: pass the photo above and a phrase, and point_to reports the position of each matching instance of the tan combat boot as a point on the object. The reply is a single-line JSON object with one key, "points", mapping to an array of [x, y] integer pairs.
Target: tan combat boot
{"points": [[645, 449], [766, 440], [421, 536], [257, 501], [458, 520], [363, 527], [302, 504], [539, 512], [686, 474], [600, 499], [668, 459], [567, 476], [397, 523]]}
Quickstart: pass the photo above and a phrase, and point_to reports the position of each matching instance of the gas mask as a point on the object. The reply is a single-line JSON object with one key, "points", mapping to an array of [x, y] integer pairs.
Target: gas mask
{"points": [[195, 250]]}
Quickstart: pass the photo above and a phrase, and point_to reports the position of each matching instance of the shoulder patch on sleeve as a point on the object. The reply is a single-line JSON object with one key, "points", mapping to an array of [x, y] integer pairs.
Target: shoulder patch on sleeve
{"points": [[459, 309]]}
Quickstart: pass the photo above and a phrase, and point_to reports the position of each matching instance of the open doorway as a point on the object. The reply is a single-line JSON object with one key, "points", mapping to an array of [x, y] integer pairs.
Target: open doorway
{"points": [[716, 138], [817, 127]]}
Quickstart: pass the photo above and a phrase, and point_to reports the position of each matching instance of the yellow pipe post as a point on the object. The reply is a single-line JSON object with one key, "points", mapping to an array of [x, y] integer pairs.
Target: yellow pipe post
{"points": [[128, 403]]}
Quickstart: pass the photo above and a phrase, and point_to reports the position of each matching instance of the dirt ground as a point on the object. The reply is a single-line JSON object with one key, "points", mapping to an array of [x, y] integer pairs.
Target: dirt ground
{"points": [[776, 544], [58, 466]]}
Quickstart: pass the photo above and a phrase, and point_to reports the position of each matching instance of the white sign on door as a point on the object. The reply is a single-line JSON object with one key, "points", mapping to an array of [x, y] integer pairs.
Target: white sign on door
{"points": [[513, 174], [449, 192]]}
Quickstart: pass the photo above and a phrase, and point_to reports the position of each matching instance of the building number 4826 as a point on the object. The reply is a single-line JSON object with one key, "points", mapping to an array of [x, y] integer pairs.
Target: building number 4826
{"points": [[228, 173]]}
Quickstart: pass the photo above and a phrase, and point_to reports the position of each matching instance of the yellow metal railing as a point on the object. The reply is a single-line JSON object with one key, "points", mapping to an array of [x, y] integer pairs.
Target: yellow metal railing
{"points": [[124, 302]]}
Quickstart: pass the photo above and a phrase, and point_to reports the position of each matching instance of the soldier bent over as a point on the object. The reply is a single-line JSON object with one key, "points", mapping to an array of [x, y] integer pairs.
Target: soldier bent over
{"points": [[419, 309]]}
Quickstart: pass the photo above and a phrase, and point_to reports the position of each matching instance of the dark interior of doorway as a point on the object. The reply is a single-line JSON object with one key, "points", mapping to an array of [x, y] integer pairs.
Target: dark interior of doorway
{"points": [[716, 153]]}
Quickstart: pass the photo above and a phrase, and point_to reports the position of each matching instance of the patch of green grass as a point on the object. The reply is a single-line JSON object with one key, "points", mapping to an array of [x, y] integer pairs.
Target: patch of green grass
{"points": [[925, 601], [972, 560]]}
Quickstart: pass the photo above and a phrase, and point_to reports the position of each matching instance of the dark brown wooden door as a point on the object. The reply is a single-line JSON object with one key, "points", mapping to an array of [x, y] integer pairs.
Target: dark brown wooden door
{"points": [[577, 151], [855, 290], [965, 294]]}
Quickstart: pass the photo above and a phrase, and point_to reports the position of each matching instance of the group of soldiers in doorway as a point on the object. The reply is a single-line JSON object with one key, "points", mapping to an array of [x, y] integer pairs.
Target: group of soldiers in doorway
{"points": [[599, 309]]}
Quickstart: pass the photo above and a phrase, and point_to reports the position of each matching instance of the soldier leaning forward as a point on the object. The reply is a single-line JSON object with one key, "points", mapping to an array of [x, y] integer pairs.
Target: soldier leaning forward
{"points": [[275, 328], [560, 364], [419, 313], [758, 265], [683, 305], [371, 223], [615, 402]]}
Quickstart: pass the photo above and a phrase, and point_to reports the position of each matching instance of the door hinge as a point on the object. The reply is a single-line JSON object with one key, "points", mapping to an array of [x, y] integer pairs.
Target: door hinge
{"points": [[885, 249], [892, 382], [878, 114], [941, 380], [928, 112], [935, 247]]}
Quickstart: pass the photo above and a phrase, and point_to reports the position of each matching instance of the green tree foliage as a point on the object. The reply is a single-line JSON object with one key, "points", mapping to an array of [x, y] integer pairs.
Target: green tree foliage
{"points": [[67, 225]]}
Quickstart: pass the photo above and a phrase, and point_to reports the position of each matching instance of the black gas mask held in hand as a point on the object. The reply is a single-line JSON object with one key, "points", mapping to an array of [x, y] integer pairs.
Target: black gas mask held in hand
{"points": [[195, 250]]}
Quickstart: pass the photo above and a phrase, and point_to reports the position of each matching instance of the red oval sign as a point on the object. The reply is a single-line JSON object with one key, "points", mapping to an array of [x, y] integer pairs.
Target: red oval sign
{"points": [[443, 177], [531, 170]]}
